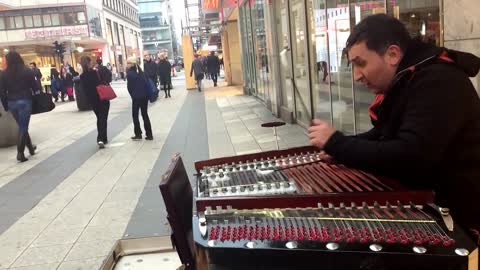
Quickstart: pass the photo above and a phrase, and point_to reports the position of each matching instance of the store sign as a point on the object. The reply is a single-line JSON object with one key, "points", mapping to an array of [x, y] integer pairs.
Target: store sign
{"points": [[53, 32]]}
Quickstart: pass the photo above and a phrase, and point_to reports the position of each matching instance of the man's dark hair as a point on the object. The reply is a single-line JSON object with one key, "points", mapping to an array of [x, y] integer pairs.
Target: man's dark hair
{"points": [[99, 61], [33, 64], [379, 31]]}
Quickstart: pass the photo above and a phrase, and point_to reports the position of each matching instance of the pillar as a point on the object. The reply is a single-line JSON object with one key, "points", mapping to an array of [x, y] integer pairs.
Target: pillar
{"points": [[187, 49]]}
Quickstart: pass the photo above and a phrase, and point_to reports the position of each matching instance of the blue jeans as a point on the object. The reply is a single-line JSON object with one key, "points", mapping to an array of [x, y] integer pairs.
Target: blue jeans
{"points": [[21, 110]]}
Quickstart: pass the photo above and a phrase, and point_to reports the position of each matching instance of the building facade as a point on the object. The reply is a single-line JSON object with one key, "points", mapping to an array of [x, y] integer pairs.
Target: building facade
{"points": [[108, 29], [156, 22], [294, 58]]}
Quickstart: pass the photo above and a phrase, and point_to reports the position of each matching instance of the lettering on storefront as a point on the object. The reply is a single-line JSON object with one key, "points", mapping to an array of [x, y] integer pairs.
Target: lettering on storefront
{"points": [[52, 32]]}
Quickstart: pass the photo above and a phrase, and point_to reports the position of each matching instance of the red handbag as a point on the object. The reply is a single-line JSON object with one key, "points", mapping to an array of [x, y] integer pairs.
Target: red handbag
{"points": [[105, 91]]}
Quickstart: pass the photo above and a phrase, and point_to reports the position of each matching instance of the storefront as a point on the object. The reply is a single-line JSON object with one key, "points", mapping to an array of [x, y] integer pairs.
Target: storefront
{"points": [[295, 60]]}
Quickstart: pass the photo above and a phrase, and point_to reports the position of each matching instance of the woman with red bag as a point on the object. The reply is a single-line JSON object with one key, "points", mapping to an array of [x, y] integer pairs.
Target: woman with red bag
{"points": [[89, 80]]}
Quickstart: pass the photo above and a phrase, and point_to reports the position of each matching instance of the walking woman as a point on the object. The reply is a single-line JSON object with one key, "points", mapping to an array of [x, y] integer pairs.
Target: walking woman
{"points": [[89, 80], [137, 88], [16, 86], [164, 71]]}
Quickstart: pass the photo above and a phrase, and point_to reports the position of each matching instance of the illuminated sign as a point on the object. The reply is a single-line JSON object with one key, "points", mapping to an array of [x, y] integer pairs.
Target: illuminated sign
{"points": [[53, 32], [210, 4]]}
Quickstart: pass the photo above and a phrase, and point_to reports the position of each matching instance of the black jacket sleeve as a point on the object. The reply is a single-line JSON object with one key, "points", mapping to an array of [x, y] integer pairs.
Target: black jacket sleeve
{"points": [[3, 92], [372, 134], [435, 111]]}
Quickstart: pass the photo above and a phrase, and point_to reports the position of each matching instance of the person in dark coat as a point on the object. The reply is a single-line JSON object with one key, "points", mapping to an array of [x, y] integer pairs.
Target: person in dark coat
{"points": [[137, 88], [38, 74], [56, 85], [89, 80], [426, 116], [198, 69], [164, 72], [68, 82], [213, 67], [16, 85], [150, 68]]}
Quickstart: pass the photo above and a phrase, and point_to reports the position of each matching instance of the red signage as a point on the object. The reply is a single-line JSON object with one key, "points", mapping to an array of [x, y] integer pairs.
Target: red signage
{"points": [[52, 32]]}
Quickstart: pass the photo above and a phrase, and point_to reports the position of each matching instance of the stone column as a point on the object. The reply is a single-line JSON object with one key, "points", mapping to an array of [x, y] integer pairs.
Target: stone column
{"points": [[462, 28], [8, 129]]}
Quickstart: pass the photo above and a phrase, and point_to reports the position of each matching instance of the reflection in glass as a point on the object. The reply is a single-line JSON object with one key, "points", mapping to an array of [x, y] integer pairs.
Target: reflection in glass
{"points": [[260, 47]]}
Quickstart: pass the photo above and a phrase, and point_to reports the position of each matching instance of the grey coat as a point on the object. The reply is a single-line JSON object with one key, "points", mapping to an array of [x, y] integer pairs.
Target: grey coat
{"points": [[197, 66]]}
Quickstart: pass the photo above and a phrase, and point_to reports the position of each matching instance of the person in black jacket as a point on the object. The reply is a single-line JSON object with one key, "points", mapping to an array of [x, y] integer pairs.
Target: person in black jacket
{"points": [[213, 67], [37, 73], [137, 88], [16, 86], [164, 72], [89, 80], [150, 69], [426, 116]]}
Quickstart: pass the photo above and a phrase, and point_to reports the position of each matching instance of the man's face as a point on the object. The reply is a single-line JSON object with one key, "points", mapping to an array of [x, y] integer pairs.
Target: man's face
{"points": [[375, 71], [32, 66], [147, 57]]}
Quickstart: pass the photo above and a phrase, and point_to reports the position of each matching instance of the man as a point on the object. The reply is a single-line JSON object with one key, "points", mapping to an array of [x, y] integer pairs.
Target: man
{"points": [[103, 72], [37, 73], [150, 69], [213, 67], [197, 67], [426, 116]]}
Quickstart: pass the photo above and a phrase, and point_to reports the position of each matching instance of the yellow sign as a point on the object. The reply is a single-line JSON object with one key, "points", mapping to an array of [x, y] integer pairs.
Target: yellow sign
{"points": [[45, 75]]}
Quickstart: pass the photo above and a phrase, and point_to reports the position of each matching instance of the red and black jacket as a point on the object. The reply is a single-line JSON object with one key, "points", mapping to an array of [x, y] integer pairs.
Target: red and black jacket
{"points": [[426, 130]]}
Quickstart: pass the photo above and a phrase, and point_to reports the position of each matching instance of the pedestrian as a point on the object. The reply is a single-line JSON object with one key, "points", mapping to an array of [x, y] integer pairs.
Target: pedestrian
{"points": [[137, 88], [16, 85], [38, 74], [426, 116], [61, 85], [197, 67], [104, 73], [89, 80], [213, 67], [150, 69], [114, 72], [164, 71], [55, 83], [69, 83], [205, 67]]}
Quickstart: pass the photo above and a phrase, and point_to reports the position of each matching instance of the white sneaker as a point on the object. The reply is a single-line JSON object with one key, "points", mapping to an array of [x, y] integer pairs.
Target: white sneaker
{"points": [[101, 145]]}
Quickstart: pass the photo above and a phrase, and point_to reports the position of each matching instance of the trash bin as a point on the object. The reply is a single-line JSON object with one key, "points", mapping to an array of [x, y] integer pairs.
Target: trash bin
{"points": [[81, 98], [8, 129]]}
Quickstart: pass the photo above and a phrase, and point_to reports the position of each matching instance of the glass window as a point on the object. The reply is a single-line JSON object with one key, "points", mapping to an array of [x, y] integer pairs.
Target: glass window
{"points": [[10, 23], [285, 54], [28, 21], [2, 24], [47, 20], [37, 20], [422, 18], [68, 19], [300, 62], [18, 22], [81, 17], [55, 19], [319, 63]]}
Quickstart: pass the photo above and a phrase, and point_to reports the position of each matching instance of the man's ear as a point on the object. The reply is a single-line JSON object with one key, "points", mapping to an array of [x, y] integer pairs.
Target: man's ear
{"points": [[394, 55]]}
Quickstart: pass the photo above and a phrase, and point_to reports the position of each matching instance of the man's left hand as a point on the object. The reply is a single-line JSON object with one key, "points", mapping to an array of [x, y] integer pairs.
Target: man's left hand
{"points": [[320, 132]]}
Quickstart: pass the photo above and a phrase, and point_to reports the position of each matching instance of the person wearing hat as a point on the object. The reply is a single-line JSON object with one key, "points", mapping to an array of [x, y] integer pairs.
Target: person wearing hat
{"points": [[137, 88]]}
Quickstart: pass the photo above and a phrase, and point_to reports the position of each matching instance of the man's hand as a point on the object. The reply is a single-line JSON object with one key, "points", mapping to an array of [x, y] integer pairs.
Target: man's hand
{"points": [[320, 132]]}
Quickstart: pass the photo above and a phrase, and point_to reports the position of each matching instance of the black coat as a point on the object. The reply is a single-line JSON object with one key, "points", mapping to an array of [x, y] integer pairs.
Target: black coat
{"points": [[136, 84], [165, 71], [17, 88], [213, 64], [150, 69], [89, 81], [428, 131]]}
